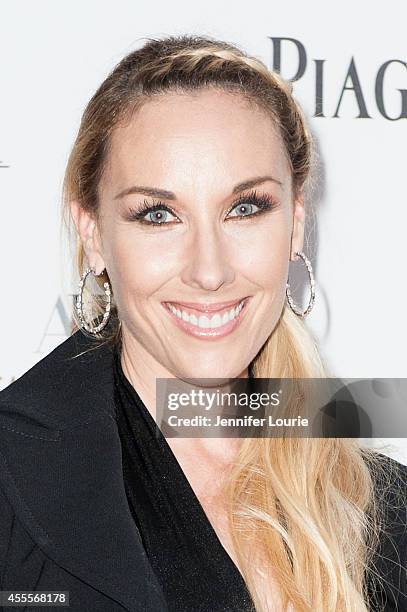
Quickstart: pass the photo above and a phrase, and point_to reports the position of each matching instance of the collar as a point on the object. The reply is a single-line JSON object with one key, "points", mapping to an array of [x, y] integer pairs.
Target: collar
{"points": [[60, 467]]}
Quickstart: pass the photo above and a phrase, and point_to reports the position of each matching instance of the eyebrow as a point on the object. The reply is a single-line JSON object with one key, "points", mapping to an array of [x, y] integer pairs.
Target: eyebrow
{"points": [[170, 195]]}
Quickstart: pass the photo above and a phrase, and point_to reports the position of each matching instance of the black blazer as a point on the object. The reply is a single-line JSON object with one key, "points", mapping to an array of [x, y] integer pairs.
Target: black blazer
{"points": [[65, 523]]}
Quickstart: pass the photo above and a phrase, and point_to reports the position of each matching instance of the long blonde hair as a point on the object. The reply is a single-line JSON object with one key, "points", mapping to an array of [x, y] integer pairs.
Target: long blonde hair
{"points": [[310, 504]]}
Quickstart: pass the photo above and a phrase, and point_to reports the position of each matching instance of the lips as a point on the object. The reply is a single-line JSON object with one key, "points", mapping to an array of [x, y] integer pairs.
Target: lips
{"points": [[206, 325], [197, 307]]}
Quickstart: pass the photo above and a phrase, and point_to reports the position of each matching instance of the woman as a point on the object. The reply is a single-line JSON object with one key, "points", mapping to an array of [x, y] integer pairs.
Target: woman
{"points": [[186, 189]]}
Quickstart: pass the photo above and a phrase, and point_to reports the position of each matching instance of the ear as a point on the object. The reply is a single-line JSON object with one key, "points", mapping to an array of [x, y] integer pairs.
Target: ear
{"points": [[89, 235], [297, 235]]}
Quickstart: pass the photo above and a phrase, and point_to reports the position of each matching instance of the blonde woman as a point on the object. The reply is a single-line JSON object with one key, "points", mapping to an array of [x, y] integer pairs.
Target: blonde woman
{"points": [[185, 188]]}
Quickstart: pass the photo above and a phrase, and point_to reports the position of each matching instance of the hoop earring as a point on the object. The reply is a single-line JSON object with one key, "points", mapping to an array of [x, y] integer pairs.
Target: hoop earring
{"points": [[294, 308], [83, 323]]}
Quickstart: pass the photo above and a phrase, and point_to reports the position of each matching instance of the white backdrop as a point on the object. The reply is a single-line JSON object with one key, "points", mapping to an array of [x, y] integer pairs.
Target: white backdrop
{"points": [[55, 54]]}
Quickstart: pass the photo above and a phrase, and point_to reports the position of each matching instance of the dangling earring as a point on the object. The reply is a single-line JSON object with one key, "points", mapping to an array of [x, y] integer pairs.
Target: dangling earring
{"points": [[83, 323], [293, 306]]}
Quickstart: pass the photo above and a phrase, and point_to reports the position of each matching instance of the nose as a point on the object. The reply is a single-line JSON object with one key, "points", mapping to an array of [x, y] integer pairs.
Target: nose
{"points": [[208, 260]]}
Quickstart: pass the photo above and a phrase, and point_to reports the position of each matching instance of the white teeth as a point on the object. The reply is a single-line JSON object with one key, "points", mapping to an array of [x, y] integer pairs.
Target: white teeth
{"points": [[216, 321], [204, 321]]}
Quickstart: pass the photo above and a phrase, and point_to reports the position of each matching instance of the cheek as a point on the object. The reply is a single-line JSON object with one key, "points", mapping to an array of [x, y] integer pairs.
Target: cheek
{"points": [[137, 266], [263, 253]]}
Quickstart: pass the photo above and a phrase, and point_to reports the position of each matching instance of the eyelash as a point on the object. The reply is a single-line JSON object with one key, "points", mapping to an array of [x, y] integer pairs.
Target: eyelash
{"points": [[264, 202]]}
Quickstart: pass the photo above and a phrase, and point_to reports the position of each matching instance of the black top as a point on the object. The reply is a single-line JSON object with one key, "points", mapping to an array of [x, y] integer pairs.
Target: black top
{"points": [[65, 517], [192, 566]]}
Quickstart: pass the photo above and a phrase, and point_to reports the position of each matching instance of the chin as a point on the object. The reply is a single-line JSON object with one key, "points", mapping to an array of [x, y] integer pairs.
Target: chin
{"points": [[215, 375]]}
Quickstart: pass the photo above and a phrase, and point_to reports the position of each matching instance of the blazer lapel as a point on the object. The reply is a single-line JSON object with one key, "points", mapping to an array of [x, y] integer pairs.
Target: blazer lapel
{"points": [[60, 466]]}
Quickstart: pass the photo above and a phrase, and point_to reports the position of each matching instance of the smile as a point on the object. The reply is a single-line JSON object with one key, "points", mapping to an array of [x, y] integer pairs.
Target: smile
{"points": [[212, 324]]}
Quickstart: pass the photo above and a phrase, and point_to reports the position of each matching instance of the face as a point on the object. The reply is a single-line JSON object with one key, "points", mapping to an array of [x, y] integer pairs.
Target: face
{"points": [[197, 218]]}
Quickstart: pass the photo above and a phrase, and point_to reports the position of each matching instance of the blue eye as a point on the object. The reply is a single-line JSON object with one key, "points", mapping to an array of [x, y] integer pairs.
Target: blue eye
{"points": [[244, 205], [160, 214], [246, 208], [264, 203], [156, 214]]}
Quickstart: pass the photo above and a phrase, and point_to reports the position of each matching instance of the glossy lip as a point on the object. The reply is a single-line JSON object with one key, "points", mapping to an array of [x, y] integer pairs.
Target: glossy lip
{"points": [[207, 333]]}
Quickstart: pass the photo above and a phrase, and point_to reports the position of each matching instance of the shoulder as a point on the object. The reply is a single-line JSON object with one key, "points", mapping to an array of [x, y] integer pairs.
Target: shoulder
{"points": [[390, 485], [61, 389], [388, 578], [390, 481]]}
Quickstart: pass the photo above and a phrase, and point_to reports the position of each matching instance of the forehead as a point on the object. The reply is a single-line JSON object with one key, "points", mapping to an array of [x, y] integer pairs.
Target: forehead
{"points": [[210, 136]]}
